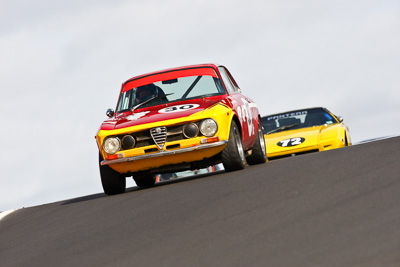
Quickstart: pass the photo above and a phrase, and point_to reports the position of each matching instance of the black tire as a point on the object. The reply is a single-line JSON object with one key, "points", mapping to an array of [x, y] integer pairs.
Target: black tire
{"points": [[232, 156], [113, 182], [346, 140], [145, 180], [259, 152]]}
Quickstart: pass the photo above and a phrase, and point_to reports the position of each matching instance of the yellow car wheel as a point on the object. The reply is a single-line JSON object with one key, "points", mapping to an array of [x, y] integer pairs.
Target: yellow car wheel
{"points": [[145, 180], [113, 183], [259, 154], [233, 155]]}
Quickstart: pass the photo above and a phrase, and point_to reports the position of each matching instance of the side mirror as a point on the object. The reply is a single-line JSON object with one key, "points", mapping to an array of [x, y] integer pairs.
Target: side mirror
{"points": [[110, 112], [340, 118]]}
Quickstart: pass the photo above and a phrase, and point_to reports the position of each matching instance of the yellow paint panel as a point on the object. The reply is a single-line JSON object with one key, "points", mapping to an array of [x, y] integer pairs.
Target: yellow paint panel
{"points": [[147, 164], [324, 137], [220, 113]]}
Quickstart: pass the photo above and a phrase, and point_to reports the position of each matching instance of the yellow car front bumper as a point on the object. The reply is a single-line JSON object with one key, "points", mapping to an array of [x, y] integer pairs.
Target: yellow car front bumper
{"points": [[126, 164]]}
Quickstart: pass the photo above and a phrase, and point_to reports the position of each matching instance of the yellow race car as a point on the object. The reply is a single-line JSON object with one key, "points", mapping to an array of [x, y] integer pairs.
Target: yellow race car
{"points": [[303, 131]]}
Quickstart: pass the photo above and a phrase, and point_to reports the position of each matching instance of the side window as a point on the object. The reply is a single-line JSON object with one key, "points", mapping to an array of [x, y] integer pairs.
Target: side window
{"points": [[125, 101], [227, 81], [235, 85]]}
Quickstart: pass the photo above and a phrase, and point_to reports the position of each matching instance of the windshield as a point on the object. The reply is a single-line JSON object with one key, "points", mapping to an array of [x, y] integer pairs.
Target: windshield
{"points": [[296, 120], [169, 90]]}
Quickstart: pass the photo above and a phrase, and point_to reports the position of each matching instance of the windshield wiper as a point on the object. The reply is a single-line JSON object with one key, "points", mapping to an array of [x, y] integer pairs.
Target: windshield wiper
{"points": [[149, 100], [283, 128]]}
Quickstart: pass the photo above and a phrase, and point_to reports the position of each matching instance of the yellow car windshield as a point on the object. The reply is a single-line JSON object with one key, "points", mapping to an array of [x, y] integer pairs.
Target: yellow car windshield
{"points": [[297, 119]]}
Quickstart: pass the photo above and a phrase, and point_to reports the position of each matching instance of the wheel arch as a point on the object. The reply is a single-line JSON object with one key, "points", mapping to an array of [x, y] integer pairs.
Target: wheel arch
{"points": [[237, 121]]}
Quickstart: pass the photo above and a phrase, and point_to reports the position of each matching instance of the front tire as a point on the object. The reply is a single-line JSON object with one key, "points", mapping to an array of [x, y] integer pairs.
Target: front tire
{"points": [[259, 152], [145, 180], [113, 182], [232, 156]]}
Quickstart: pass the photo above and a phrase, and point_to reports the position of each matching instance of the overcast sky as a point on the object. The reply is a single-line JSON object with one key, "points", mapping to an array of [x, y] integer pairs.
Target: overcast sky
{"points": [[62, 64]]}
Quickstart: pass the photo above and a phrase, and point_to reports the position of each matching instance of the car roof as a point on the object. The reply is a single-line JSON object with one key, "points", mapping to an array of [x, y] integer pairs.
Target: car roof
{"points": [[210, 65]]}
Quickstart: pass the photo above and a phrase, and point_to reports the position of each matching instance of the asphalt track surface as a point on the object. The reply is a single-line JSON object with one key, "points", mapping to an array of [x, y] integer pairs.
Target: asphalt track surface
{"points": [[333, 208]]}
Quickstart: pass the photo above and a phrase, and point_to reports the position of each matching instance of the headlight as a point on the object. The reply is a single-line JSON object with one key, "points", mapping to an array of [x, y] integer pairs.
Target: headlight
{"points": [[112, 145], [190, 130], [208, 127], [128, 141]]}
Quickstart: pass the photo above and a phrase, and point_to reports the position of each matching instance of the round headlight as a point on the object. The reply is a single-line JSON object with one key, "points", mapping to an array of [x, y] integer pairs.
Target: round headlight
{"points": [[128, 141], [112, 145], [208, 127], [190, 130]]}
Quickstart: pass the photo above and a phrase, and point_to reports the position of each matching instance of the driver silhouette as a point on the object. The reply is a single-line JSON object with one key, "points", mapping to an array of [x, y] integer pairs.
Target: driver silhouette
{"points": [[145, 92]]}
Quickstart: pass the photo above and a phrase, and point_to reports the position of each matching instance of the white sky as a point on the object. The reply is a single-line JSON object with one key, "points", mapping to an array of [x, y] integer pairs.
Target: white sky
{"points": [[62, 64]]}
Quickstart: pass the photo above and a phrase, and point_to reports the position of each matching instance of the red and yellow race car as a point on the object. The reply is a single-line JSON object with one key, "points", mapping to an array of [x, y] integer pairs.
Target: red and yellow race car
{"points": [[303, 131], [178, 119]]}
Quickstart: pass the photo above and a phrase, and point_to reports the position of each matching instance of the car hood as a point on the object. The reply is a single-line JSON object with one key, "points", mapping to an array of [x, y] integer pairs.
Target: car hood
{"points": [[157, 113], [293, 139]]}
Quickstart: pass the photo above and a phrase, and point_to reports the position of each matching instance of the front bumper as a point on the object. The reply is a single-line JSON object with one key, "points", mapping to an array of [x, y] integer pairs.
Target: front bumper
{"points": [[163, 153]]}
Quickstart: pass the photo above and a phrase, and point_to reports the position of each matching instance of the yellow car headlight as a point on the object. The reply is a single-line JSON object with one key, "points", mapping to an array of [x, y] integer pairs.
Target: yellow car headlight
{"points": [[112, 145], [208, 127]]}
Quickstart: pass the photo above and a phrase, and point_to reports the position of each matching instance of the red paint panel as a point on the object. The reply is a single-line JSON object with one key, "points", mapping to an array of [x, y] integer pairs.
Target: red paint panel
{"points": [[152, 113], [170, 75]]}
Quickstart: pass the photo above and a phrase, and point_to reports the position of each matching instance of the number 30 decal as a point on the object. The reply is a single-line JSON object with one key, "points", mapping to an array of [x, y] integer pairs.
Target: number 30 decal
{"points": [[178, 108], [291, 142]]}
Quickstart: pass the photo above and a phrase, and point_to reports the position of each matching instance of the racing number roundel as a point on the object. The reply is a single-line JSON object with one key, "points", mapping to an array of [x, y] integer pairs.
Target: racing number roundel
{"points": [[178, 108], [291, 142]]}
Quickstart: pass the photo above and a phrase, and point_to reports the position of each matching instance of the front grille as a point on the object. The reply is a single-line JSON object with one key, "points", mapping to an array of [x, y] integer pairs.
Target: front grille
{"points": [[146, 138], [159, 135]]}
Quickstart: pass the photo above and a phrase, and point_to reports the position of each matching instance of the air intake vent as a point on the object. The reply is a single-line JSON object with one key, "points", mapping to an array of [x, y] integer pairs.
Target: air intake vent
{"points": [[159, 135]]}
